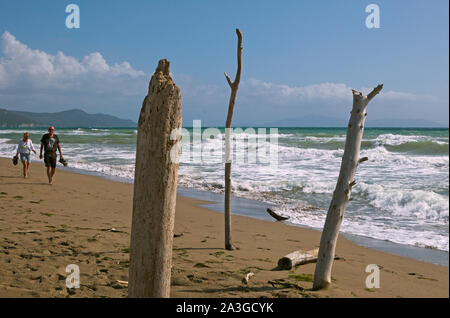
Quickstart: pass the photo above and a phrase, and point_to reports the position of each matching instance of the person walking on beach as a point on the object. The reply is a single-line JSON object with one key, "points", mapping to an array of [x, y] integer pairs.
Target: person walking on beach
{"points": [[24, 149], [50, 143]]}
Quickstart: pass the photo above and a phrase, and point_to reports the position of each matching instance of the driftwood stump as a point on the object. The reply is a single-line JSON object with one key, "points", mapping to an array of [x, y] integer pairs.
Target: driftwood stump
{"points": [[341, 195], [155, 187]]}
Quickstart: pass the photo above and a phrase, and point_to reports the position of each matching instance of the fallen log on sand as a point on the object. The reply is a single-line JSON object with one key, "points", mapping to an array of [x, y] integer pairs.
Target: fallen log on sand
{"points": [[298, 258], [276, 216]]}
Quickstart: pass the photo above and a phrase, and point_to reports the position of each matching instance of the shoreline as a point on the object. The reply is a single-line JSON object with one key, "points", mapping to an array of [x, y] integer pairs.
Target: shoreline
{"points": [[73, 226], [256, 209]]}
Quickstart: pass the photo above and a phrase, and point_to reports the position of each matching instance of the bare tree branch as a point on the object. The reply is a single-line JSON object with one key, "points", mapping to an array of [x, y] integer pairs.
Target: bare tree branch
{"points": [[375, 91], [234, 88], [239, 59], [228, 80]]}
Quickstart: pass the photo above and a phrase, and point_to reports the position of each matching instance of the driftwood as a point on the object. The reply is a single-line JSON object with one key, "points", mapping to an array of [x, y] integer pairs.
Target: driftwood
{"points": [[234, 88], [276, 216], [247, 278], [155, 188], [341, 195], [122, 282], [298, 258], [27, 231], [284, 284]]}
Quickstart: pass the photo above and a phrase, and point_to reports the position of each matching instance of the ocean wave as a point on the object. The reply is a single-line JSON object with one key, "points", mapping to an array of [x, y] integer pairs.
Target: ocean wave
{"points": [[397, 139], [412, 144], [374, 228], [122, 171], [421, 148], [390, 160], [417, 205], [401, 193]]}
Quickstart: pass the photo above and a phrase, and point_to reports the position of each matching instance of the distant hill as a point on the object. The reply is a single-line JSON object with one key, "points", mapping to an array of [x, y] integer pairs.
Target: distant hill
{"points": [[11, 119], [68, 118]]}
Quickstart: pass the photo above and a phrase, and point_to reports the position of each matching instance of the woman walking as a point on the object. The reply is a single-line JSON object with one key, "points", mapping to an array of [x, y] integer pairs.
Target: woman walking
{"points": [[24, 149]]}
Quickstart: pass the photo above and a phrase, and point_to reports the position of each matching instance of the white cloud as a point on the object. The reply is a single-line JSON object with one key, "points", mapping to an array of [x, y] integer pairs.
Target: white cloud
{"points": [[406, 97], [287, 93], [23, 66], [338, 92], [32, 79]]}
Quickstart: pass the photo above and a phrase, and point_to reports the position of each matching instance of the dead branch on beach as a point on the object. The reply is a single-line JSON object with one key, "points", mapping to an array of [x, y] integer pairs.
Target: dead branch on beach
{"points": [[276, 216], [284, 284], [234, 88], [341, 195]]}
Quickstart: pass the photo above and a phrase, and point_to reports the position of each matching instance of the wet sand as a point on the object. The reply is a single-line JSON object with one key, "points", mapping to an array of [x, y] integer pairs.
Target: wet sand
{"points": [[85, 220]]}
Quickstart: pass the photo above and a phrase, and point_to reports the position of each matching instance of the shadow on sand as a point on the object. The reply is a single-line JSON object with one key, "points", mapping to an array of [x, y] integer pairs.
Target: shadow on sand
{"points": [[236, 289]]}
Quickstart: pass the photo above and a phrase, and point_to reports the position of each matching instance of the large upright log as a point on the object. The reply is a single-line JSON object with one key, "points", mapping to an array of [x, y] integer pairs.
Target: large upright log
{"points": [[234, 88], [341, 195], [155, 187]]}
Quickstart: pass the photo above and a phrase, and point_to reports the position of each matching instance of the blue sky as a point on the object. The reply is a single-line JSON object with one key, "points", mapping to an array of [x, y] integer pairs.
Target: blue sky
{"points": [[300, 58]]}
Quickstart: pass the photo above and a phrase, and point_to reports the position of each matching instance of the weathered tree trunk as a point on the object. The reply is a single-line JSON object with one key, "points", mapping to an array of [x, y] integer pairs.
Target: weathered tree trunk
{"points": [[155, 187], [298, 258], [341, 195], [234, 88]]}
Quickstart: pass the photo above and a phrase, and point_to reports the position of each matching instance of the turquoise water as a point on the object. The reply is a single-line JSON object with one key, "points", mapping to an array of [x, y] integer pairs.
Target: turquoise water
{"points": [[401, 193]]}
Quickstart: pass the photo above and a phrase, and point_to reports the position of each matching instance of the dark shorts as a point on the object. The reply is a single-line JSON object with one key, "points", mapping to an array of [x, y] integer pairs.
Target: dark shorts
{"points": [[50, 160]]}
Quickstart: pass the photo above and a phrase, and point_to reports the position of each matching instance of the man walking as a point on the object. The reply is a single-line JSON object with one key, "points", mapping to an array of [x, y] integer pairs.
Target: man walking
{"points": [[50, 143]]}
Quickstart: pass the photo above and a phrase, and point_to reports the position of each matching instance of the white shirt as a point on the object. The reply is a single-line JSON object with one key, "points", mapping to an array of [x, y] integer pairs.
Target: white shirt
{"points": [[25, 147]]}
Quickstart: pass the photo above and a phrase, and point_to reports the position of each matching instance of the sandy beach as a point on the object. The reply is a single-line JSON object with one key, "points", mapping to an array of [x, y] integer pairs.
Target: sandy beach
{"points": [[85, 220]]}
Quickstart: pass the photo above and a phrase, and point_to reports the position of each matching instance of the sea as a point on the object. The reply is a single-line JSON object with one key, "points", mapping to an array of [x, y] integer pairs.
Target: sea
{"points": [[401, 195]]}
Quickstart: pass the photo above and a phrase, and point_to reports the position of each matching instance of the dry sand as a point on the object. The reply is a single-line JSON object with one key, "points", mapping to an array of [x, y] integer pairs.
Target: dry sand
{"points": [[73, 219]]}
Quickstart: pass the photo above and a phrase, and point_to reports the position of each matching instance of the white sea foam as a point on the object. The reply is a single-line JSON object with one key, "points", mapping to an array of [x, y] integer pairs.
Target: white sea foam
{"points": [[395, 140], [398, 197], [418, 205]]}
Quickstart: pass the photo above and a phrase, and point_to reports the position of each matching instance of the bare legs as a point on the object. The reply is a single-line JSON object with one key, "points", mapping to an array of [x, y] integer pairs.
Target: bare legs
{"points": [[26, 164], [50, 174]]}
